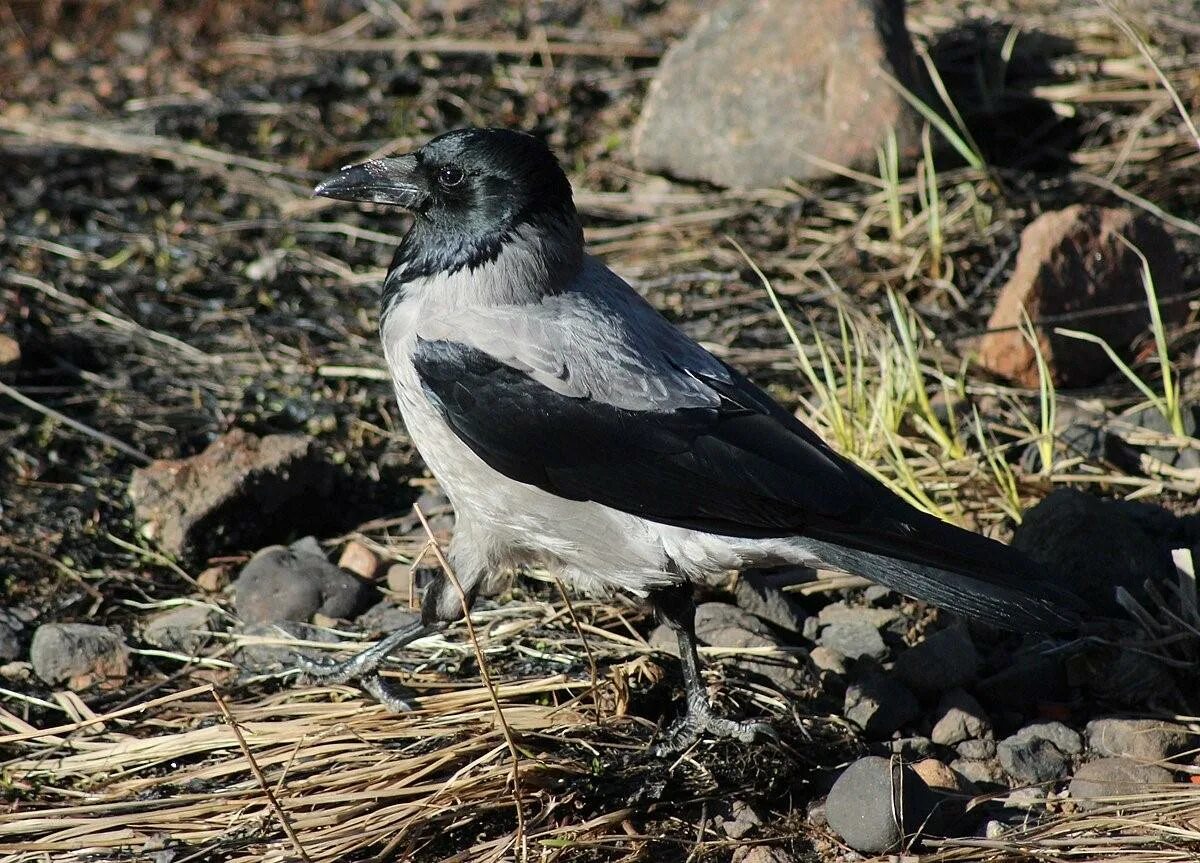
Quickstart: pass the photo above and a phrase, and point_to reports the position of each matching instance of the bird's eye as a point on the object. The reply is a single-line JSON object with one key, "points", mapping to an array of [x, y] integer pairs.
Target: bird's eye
{"points": [[450, 176]]}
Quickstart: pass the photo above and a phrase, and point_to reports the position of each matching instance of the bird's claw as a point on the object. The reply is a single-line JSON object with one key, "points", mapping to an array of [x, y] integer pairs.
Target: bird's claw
{"points": [[363, 667], [698, 721]]}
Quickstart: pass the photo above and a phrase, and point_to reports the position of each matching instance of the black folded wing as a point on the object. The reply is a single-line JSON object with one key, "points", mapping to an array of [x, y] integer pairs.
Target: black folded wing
{"points": [[738, 466]]}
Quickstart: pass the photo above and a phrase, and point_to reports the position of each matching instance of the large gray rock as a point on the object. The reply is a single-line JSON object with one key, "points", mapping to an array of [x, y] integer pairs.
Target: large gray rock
{"points": [[1139, 739], [876, 802], [1116, 777], [758, 86]]}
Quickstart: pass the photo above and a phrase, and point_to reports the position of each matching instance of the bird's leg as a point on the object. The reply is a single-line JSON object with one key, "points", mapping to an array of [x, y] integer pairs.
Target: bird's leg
{"points": [[677, 609], [364, 666]]}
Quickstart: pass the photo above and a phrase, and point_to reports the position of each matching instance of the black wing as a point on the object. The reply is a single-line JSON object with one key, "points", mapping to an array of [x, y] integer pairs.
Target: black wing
{"points": [[741, 467]]}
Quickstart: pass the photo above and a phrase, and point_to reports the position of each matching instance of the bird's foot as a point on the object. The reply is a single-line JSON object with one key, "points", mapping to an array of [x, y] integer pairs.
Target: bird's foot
{"points": [[364, 666], [700, 719]]}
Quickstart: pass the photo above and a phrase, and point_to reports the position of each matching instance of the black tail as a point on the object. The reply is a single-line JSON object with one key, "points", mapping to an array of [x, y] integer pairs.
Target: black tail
{"points": [[929, 559]]}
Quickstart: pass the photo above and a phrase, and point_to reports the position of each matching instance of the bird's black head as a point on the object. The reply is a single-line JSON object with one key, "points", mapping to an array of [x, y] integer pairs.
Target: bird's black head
{"points": [[469, 191]]}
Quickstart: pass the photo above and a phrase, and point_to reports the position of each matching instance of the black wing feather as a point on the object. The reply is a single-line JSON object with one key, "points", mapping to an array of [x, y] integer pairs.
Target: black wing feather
{"points": [[743, 467]]}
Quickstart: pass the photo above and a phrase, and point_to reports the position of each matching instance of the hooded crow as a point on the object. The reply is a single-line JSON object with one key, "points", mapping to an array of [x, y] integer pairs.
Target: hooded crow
{"points": [[574, 427]]}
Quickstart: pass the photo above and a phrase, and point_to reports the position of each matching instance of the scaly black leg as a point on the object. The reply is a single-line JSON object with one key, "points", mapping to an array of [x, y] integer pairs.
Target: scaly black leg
{"points": [[677, 609], [364, 666]]}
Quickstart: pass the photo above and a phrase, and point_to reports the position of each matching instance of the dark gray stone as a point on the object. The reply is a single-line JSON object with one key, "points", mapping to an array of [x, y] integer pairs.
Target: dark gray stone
{"points": [[1040, 752], [78, 655], [876, 802], [1130, 678], [719, 624], [12, 633], [1116, 777], [879, 705], [911, 748], [769, 603], [959, 717], [267, 658], [854, 640], [977, 750], [1138, 739], [1091, 548], [295, 582], [184, 630], [713, 111], [385, 617], [1025, 683], [942, 661]]}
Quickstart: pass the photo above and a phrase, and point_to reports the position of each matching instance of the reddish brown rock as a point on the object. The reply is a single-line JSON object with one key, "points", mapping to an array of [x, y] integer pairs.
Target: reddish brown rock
{"points": [[241, 489], [759, 86], [938, 775], [10, 351], [359, 559], [1072, 261]]}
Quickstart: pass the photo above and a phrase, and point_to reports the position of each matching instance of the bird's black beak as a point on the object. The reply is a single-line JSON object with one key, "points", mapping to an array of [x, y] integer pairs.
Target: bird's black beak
{"points": [[396, 181]]}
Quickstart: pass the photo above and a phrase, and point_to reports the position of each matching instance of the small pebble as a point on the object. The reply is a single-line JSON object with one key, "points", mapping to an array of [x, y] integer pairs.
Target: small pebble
{"points": [[740, 820], [399, 580], [854, 640], [827, 659], [213, 580], [10, 351], [978, 772], [12, 629], [938, 775], [958, 717], [359, 559]]}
